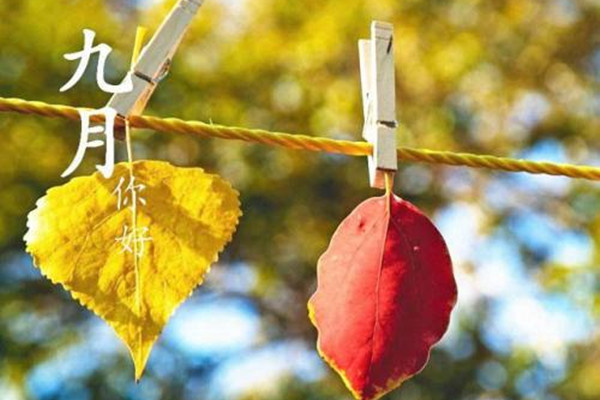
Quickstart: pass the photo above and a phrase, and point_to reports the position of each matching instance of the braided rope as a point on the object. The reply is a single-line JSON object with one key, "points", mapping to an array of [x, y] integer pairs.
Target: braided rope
{"points": [[312, 143]]}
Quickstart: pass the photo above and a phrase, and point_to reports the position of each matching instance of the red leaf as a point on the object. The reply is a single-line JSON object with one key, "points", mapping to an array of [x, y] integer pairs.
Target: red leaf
{"points": [[384, 297]]}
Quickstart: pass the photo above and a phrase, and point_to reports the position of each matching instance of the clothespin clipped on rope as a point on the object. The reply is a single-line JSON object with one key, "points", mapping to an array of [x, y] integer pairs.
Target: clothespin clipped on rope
{"points": [[154, 61], [379, 100]]}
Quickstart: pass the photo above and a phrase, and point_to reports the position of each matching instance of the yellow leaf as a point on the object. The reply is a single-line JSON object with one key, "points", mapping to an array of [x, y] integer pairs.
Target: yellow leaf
{"points": [[184, 217]]}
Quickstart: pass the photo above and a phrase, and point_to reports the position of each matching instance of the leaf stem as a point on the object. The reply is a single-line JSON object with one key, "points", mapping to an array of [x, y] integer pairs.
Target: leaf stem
{"points": [[137, 48], [389, 182]]}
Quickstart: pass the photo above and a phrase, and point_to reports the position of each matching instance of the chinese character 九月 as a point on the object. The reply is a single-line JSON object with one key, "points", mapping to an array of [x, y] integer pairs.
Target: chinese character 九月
{"points": [[84, 141], [84, 56]]}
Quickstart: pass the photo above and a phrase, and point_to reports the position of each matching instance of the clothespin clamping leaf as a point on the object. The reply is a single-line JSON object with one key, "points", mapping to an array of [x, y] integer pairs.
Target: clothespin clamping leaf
{"points": [[132, 247], [155, 60], [379, 100], [385, 286]]}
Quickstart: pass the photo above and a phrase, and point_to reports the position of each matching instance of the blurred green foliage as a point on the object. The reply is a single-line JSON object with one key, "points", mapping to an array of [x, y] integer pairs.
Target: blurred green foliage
{"points": [[466, 70]]}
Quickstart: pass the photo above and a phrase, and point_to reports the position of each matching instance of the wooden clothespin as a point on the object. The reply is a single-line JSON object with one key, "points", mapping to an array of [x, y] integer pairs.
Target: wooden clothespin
{"points": [[379, 100], [155, 59]]}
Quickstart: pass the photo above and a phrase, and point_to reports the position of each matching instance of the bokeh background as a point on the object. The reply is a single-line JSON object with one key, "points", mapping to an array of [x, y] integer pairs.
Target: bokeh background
{"points": [[509, 77]]}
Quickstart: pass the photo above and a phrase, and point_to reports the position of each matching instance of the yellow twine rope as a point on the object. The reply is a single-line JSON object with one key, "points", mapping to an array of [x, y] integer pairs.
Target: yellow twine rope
{"points": [[312, 143]]}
